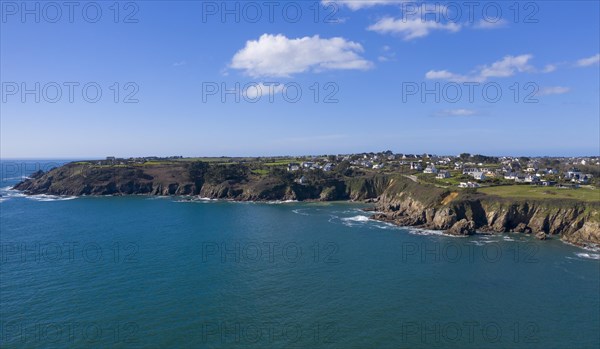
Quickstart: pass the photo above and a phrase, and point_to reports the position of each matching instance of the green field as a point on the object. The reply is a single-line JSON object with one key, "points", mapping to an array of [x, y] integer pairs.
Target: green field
{"points": [[283, 162], [533, 192], [260, 172]]}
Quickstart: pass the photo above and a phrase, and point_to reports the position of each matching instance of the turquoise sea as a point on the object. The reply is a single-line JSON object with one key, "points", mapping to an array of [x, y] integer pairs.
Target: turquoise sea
{"points": [[141, 272]]}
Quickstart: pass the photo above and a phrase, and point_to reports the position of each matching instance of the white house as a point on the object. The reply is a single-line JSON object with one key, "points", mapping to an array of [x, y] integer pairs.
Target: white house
{"points": [[416, 166], [328, 167], [443, 174], [582, 179], [480, 176], [430, 169], [574, 172], [531, 179]]}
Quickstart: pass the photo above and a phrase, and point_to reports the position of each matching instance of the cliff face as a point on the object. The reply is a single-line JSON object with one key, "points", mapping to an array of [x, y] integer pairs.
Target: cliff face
{"points": [[575, 222], [179, 179], [464, 214], [73, 179]]}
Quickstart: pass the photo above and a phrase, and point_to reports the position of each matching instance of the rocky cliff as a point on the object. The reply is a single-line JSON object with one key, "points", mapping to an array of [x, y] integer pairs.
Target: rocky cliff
{"points": [[466, 213], [183, 179]]}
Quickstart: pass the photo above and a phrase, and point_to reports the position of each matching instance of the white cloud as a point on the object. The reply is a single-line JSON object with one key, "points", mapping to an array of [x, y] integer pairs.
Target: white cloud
{"points": [[278, 56], [585, 62], [458, 112], [483, 24], [411, 28], [549, 68], [360, 4], [179, 64], [507, 66], [555, 90], [444, 75]]}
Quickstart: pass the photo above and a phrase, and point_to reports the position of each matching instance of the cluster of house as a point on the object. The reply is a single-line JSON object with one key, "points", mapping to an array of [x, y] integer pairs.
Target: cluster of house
{"points": [[431, 169], [375, 161], [112, 160], [310, 165], [509, 169], [576, 176], [536, 176], [584, 161]]}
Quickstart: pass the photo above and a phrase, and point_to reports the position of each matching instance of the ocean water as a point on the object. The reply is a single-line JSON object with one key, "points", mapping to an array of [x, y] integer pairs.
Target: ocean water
{"points": [[140, 272]]}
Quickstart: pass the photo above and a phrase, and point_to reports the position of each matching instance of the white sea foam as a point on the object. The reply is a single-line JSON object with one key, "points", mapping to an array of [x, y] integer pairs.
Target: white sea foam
{"points": [[299, 211], [279, 202], [593, 248], [594, 256], [192, 201], [358, 218], [156, 197], [481, 242], [386, 225], [11, 193], [426, 232], [49, 198]]}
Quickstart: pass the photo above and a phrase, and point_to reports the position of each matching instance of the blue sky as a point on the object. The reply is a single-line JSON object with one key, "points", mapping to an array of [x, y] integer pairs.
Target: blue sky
{"points": [[363, 58]]}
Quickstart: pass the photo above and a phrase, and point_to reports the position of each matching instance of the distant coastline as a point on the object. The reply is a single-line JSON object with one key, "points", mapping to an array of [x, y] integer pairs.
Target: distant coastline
{"points": [[400, 196]]}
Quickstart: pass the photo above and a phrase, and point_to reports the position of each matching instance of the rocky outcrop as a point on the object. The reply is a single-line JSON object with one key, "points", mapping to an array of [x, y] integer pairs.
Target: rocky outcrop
{"points": [[462, 227]]}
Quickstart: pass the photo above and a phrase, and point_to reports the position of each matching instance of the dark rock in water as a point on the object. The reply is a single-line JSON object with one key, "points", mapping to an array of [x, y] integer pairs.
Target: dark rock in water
{"points": [[541, 236], [462, 227], [522, 228]]}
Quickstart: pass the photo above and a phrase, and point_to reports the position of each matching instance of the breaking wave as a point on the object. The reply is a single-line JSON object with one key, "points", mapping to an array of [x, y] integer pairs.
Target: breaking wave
{"points": [[594, 256], [49, 198]]}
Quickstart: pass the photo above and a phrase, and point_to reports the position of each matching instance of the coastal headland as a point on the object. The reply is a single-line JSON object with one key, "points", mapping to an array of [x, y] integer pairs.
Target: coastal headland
{"points": [[401, 194]]}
